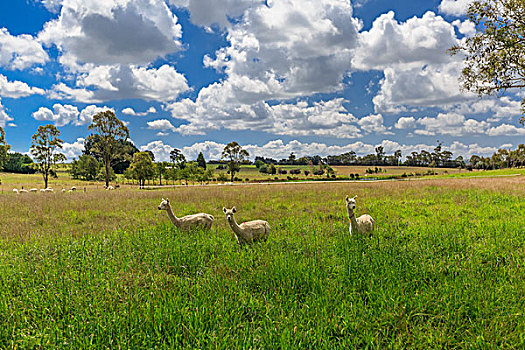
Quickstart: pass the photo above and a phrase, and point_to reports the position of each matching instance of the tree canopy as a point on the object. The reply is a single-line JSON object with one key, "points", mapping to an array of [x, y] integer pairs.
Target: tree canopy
{"points": [[234, 154], [45, 148], [495, 55], [4, 147], [142, 168], [108, 140]]}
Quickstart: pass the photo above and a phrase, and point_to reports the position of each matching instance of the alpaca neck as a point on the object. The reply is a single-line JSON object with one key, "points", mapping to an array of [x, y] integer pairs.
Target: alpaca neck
{"points": [[175, 220], [353, 221], [236, 228]]}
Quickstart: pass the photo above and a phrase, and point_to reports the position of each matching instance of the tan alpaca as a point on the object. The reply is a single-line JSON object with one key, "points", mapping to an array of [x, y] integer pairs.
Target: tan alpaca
{"points": [[247, 232], [363, 224], [188, 222]]}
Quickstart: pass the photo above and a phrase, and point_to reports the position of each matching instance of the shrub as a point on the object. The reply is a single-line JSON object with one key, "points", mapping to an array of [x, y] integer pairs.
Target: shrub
{"points": [[295, 171]]}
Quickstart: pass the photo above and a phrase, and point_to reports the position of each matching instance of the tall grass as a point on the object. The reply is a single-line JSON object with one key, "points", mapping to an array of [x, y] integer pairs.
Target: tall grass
{"points": [[444, 269]]}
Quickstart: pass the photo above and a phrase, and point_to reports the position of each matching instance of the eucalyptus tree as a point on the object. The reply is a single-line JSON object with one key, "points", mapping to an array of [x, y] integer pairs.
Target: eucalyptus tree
{"points": [[45, 146]]}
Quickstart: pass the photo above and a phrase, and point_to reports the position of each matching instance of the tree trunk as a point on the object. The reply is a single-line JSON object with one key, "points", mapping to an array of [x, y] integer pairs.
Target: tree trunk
{"points": [[107, 174]]}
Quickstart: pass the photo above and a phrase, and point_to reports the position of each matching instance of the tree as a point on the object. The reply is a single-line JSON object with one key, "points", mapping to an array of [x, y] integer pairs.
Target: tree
{"points": [[380, 153], [44, 148], [201, 162], [118, 166], [142, 168], [161, 170], [397, 156], [110, 134], [177, 158], [495, 55], [4, 147], [234, 154], [19, 163], [85, 168]]}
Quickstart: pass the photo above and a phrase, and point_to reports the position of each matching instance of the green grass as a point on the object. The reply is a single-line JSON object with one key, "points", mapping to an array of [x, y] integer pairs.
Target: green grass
{"points": [[444, 269]]}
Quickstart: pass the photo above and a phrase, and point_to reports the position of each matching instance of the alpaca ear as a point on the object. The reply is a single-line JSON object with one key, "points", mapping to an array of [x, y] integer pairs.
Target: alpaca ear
{"points": [[346, 199], [354, 197], [167, 200], [234, 210], [224, 209]]}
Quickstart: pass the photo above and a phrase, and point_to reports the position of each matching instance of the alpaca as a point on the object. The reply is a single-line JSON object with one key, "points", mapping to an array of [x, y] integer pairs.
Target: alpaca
{"points": [[247, 232], [362, 224], [188, 222]]}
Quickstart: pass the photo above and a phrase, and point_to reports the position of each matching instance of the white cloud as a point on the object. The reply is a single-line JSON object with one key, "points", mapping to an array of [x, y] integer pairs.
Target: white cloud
{"points": [[451, 124], [374, 124], [105, 32], [4, 117], [17, 89], [73, 150], [406, 123], [20, 52], [416, 42], [278, 149], [213, 110], [52, 5], [161, 124], [131, 111], [454, 7], [212, 12], [466, 28], [66, 114], [506, 130]]}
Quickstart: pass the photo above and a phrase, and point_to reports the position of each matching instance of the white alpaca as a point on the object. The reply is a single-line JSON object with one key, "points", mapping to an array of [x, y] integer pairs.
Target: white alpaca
{"points": [[33, 190], [362, 224], [188, 222], [247, 232], [15, 190]]}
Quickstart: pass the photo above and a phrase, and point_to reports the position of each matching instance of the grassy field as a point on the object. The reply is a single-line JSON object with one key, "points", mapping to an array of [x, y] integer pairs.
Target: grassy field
{"points": [[101, 269]]}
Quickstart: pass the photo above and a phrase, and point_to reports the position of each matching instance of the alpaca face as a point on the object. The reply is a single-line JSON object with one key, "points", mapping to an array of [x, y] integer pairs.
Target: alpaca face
{"points": [[350, 202], [164, 204], [229, 213]]}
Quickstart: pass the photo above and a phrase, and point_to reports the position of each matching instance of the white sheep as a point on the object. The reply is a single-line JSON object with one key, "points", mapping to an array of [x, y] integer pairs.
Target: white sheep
{"points": [[15, 190], [33, 190], [363, 224], [23, 191]]}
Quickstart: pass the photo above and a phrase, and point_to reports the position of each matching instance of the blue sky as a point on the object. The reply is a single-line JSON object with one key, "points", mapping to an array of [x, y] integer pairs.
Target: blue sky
{"points": [[278, 76]]}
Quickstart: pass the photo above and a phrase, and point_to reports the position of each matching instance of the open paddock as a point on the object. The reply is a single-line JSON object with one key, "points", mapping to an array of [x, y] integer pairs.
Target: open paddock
{"points": [[444, 268]]}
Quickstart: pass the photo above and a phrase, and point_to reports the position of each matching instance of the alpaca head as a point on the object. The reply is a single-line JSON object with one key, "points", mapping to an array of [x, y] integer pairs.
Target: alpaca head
{"points": [[350, 203], [229, 213], [165, 204]]}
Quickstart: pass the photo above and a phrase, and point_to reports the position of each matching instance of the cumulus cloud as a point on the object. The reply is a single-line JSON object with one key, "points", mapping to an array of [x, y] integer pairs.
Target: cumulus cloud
{"points": [[107, 58], [206, 13], [65, 114], [454, 7], [20, 52], [451, 124], [73, 150], [374, 124], [105, 32], [506, 130], [4, 117], [16, 89], [161, 124], [212, 111], [131, 111], [278, 149], [405, 123]]}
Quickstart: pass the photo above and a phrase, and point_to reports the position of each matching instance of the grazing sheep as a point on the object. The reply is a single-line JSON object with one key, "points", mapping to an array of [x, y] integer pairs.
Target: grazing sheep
{"points": [[70, 191], [49, 189], [188, 222], [23, 191], [247, 232], [363, 224], [33, 190], [15, 190], [110, 188], [73, 188], [42, 190], [63, 190]]}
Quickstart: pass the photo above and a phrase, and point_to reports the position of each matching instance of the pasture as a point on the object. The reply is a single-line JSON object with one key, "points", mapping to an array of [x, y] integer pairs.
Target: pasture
{"points": [[106, 269]]}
